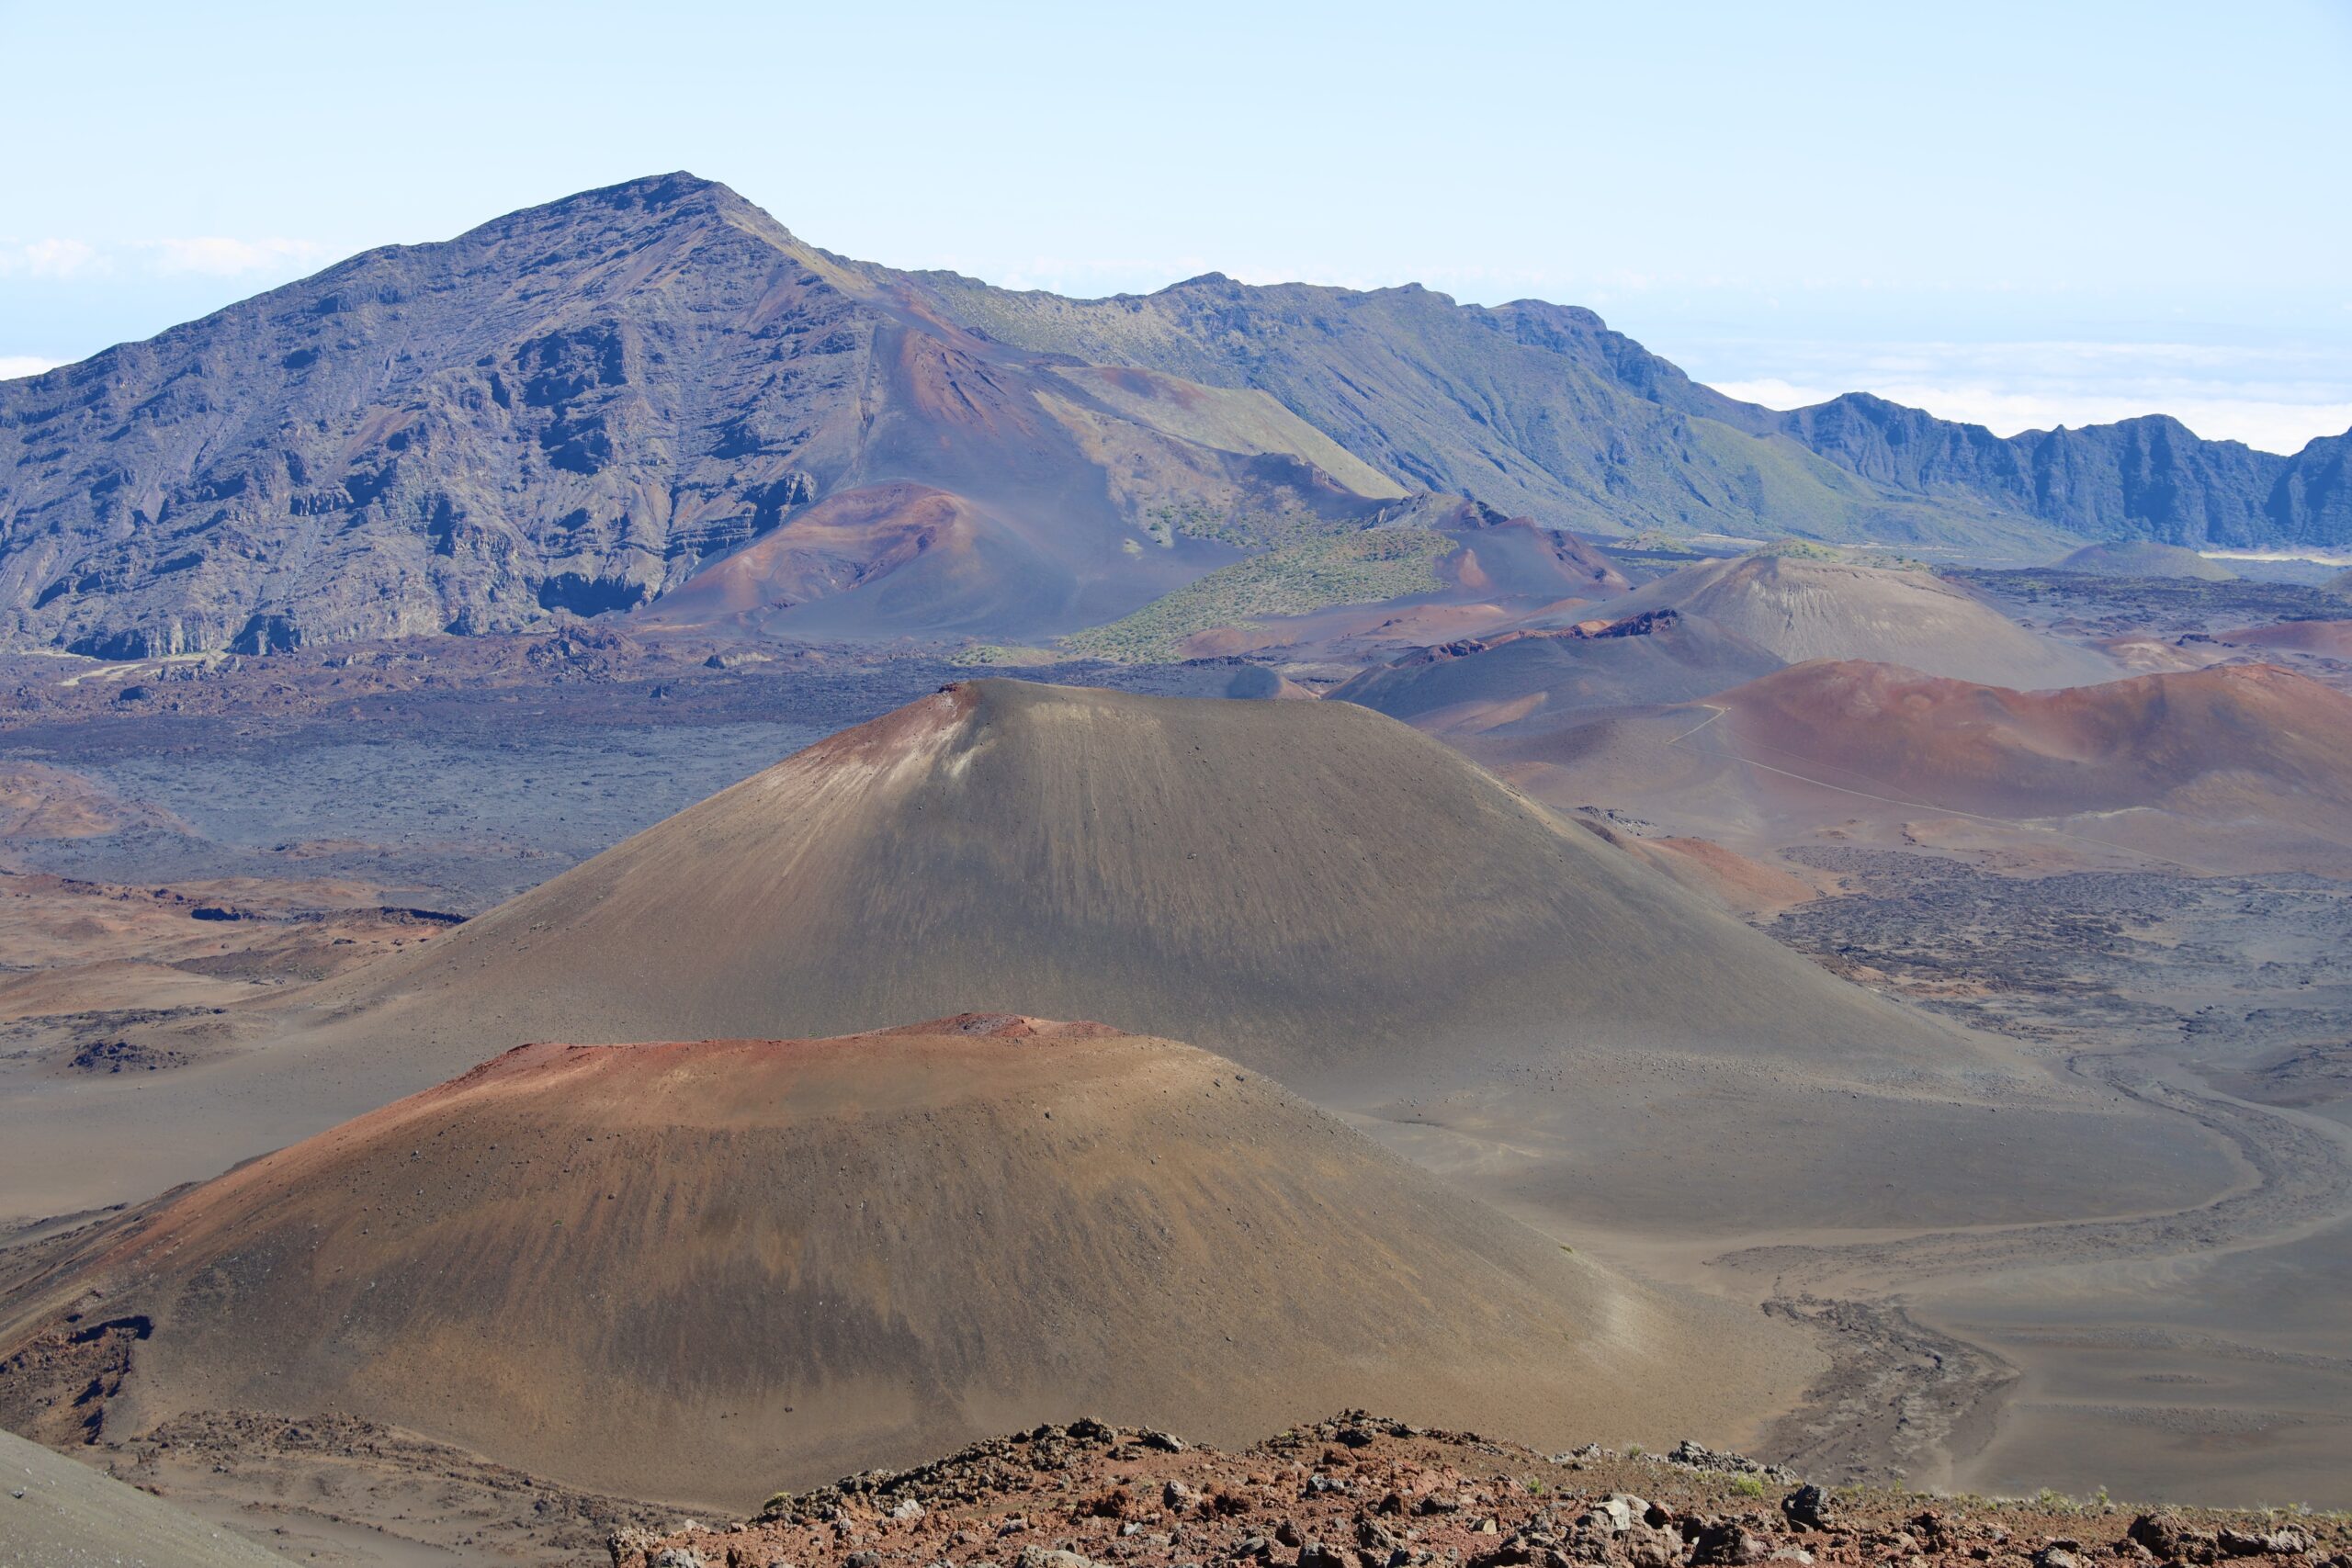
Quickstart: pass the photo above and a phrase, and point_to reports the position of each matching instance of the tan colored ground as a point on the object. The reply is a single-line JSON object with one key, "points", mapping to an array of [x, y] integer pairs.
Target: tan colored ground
{"points": [[54, 928], [38, 801], [57, 1514], [690, 1270], [2331, 638], [2238, 767], [1803, 609]]}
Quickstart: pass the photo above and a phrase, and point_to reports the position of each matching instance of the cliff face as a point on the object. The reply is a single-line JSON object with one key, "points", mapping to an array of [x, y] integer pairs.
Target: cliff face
{"points": [[2141, 479], [573, 408], [439, 437]]}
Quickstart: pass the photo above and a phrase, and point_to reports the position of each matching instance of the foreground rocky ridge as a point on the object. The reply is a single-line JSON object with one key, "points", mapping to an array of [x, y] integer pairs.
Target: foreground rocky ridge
{"points": [[1363, 1492]]}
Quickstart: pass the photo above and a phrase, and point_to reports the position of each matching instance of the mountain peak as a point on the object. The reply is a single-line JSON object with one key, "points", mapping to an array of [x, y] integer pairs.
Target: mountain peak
{"points": [[656, 192], [660, 198]]}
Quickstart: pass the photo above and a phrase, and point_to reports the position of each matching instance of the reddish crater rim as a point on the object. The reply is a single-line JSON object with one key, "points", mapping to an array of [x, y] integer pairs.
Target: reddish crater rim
{"points": [[962, 1025]]}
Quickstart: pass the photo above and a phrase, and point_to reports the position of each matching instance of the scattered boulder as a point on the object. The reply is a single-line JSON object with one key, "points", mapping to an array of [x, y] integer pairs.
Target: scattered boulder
{"points": [[1728, 1544], [1615, 1514], [1699, 1457], [1807, 1508], [1451, 1500], [1047, 1557], [2287, 1542], [2173, 1538]]}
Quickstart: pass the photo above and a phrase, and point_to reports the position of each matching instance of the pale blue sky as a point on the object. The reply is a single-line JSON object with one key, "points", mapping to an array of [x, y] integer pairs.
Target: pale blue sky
{"points": [[2020, 214]]}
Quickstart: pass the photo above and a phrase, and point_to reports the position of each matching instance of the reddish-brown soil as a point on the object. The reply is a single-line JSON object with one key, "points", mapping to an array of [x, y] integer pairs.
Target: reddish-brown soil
{"points": [[2210, 741], [1358, 1492], [2229, 768], [2331, 638], [842, 541]]}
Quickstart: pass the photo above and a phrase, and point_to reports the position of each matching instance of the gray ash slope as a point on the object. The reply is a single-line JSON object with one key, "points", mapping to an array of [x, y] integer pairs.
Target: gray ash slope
{"points": [[1058, 850], [576, 407], [1657, 656]]}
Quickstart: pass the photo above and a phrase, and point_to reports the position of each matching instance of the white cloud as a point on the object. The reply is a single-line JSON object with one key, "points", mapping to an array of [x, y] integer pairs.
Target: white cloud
{"points": [[13, 365], [211, 256], [218, 256], [53, 257], [2267, 425], [2276, 399], [1773, 393]]}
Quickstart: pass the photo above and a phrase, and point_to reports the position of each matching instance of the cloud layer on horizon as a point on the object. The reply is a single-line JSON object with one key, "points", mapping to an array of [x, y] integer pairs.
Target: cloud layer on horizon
{"points": [[2274, 400], [59, 258]]}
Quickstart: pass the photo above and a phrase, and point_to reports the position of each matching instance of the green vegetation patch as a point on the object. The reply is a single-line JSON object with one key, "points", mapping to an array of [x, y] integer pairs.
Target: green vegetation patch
{"points": [[1244, 528], [1850, 555], [999, 656], [1359, 569], [1802, 550]]}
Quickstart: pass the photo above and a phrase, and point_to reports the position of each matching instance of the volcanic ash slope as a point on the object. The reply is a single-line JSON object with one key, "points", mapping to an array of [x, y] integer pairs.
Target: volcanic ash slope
{"points": [[1539, 681], [1314, 890], [702, 1271], [61, 1514], [1800, 609], [2145, 557]]}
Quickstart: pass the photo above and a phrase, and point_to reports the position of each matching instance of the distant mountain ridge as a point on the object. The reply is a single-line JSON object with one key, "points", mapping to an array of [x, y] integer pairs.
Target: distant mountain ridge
{"points": [[580, 406]]}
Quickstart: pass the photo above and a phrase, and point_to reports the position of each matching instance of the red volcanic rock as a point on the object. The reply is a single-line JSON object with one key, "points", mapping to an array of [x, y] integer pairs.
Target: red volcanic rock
{"points": [[1362, 1492]]}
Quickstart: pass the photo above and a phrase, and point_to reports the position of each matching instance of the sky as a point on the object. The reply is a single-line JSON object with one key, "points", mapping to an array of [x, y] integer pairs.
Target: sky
{"points": [[2022, 215]]}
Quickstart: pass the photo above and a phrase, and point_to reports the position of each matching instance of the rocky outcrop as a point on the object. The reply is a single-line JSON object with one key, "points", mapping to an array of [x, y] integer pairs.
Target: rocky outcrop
{"points": [[2141, 478], [1361, 1492]]}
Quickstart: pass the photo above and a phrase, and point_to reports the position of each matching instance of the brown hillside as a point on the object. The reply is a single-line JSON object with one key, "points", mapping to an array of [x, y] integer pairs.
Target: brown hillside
{"points": [[2330, 638], [702, 1271], [2230, 767], [2242, 748], [2243, 741], [1802, 609]]}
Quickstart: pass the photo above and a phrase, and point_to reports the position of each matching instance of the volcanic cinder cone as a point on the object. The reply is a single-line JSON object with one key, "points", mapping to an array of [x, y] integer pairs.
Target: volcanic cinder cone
{"points": [[2145, 557], [1800, 609], [1537, 680], [1313, 889], [702, 1271]]}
